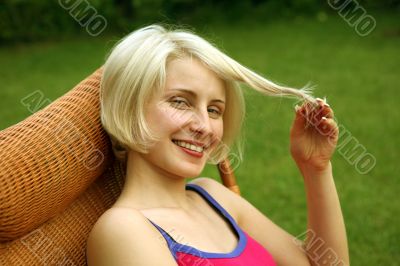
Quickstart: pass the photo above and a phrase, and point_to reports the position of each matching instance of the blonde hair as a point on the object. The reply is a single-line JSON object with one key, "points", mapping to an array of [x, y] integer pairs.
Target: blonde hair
{"points": [[135, 71]]}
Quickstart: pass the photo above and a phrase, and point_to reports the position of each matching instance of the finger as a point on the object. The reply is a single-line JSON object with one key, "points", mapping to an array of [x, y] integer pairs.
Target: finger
{"points": [[328, 127], [324, 110], [309, 113], [300, 116]]}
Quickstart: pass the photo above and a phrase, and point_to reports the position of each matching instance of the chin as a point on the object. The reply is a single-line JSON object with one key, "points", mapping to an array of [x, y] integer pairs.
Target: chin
{"points": [[189, 171]]}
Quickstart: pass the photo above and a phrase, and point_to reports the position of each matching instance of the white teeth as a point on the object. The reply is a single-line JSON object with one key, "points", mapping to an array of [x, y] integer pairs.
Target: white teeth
{"points": [[188, 146]]}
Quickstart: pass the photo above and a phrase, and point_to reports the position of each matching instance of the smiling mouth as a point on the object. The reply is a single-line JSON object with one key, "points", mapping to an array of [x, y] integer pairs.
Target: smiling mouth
{"points": [[189, 146]]}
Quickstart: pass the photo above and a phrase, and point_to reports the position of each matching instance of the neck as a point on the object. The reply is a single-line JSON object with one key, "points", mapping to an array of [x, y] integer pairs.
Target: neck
{"points": [[148, 186]]}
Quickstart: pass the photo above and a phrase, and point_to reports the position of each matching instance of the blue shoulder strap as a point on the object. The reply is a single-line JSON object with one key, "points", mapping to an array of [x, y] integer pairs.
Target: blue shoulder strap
{"points": [[174, 246]]}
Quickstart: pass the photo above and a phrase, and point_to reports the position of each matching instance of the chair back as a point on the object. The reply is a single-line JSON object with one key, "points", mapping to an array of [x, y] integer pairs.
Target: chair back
{"points": [[58, 175]]}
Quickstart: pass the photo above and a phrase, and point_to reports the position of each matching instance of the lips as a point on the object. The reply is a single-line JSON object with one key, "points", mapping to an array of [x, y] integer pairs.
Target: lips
{"points": [[192, 142], [194, 151], [190, 145]]}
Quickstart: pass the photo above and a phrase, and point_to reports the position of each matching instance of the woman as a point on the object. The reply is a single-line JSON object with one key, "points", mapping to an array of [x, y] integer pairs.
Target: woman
{"points": [[170, 102]]}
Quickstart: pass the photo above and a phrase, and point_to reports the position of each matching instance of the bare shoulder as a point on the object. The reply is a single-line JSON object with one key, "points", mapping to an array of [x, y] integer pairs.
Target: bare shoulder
{"points": [[123, 236], [210, 185], [213, 187]]}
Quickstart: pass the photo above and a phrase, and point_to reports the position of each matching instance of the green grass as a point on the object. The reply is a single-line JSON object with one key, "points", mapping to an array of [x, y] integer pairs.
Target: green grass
{"points": [[358, 75]]}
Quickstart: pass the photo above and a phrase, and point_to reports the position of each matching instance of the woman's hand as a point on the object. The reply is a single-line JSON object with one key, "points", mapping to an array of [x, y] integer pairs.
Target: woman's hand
{"points": [[313, 136]]}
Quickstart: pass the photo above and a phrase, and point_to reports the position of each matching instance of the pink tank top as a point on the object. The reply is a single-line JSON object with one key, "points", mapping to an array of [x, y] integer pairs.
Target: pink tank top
{"points": [[248, 251]]}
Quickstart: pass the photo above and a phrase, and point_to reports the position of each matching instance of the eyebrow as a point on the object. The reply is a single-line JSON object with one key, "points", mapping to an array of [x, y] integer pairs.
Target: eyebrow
{"points": [[194, 95]]}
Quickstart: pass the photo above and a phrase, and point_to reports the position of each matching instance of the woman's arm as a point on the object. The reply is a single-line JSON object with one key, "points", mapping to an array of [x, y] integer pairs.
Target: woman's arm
{"points": [[124, 237], [326, 241], [314, 136]]}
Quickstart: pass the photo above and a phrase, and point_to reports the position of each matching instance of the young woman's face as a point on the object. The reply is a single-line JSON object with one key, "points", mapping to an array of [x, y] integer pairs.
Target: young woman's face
{"points": [[187, 117]]}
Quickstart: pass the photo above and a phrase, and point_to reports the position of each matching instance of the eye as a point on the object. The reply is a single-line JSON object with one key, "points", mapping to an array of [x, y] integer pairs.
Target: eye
{"points": [[214, 111], [179, 102]]}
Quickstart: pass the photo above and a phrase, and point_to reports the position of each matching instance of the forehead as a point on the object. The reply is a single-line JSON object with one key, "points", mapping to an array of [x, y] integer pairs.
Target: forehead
{"points": [[192, 74]]}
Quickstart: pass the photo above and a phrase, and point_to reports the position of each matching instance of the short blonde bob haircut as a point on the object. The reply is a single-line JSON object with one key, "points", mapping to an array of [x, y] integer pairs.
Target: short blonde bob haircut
{"points": [[135, 71]]}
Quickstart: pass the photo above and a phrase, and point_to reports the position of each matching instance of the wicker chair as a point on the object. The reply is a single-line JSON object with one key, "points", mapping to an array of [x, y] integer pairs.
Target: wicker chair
{"points": [[57, 176]]}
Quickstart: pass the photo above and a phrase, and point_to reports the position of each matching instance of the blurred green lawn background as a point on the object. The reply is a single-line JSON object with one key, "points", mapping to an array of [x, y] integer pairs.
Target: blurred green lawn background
{"points": [[358, 75]]}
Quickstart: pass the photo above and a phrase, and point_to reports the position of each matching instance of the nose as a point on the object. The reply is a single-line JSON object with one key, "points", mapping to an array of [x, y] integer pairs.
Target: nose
{"points": [[200, 125]]}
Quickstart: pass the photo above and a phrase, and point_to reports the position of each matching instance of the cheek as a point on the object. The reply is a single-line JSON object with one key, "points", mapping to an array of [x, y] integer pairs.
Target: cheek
{"points": [[218, 129]]}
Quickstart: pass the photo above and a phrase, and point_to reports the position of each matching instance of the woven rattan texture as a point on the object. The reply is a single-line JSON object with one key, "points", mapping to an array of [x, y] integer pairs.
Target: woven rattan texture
{"points": [[62, 240], [50, 158]]}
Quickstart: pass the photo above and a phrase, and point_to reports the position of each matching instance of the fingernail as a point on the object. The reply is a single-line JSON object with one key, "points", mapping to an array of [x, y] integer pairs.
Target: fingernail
{"points": [[323, 118], [296, 108], [325, 102]]}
